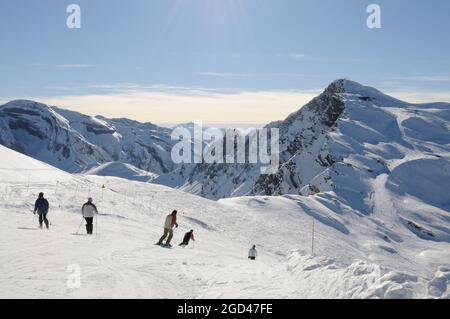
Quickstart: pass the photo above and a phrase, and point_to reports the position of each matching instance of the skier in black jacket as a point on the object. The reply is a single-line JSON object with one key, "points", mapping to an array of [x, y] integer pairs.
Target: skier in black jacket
{"points": [[187, 237], [41, 208]]}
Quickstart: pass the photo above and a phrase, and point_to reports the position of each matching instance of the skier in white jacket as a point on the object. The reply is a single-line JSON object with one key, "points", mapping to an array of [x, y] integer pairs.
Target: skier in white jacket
{"points": [[169, 224], [252, 253], [89, 210]]}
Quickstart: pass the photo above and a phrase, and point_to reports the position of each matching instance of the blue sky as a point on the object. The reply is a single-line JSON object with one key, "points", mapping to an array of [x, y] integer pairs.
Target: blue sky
{"points": [[218, 60]]}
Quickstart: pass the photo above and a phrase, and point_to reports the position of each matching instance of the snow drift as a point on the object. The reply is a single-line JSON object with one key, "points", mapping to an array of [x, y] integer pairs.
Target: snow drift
{"points": [[122, 170]]}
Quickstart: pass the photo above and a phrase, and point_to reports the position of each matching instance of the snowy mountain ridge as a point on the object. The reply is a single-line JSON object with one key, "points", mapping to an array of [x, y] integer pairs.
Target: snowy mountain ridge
{"points": [[348, 133], [376, 172], [357, 152], [75, 142], [341, 141]]}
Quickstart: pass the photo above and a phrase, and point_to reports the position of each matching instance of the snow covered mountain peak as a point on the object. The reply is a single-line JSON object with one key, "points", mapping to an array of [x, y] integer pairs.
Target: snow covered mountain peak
{"points": [[26, 104], [367, 94], [370, 171], [345, 141], [31, 108], [76, 142], [341, 141]]}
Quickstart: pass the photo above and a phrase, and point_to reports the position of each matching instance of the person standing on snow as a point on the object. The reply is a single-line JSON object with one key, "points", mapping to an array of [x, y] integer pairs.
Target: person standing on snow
{"points": [[189, 235], [88, 210], [41, 207], [171, 221], [252, 253]]}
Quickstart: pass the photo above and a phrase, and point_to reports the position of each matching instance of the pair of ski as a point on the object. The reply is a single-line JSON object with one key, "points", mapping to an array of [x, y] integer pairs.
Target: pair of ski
{"points": [[30, 228], [168, 246]]}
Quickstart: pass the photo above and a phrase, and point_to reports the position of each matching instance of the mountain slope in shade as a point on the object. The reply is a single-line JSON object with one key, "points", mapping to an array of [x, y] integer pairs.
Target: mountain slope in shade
{"points": [[75, 142]]}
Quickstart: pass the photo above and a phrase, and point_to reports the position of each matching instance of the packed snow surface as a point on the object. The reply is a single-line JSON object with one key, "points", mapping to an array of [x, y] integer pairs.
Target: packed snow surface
{"points": [[122, 170], [355, 256]]}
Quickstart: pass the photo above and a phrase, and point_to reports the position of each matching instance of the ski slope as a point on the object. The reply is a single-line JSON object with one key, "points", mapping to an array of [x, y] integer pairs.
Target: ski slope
{"points": [[122, 170], [121, 261]]}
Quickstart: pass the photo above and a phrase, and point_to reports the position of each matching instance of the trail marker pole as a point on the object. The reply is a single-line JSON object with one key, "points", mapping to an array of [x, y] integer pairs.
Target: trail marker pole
{"points": [[28, 186], [312, 238]]}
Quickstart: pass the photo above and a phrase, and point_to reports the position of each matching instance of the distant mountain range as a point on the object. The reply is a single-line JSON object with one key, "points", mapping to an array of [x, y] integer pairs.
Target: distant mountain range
{"points": [[77, 143], [363, 177], [341, 141]]}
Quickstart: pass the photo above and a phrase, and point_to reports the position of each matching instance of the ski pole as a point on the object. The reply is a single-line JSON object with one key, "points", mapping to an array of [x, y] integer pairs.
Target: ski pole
{"points": [[79, 226], [96, 225]]}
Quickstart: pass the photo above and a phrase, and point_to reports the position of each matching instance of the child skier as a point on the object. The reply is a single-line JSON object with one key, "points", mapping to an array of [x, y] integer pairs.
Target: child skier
{"points": [[252, 253], [189, 235]]}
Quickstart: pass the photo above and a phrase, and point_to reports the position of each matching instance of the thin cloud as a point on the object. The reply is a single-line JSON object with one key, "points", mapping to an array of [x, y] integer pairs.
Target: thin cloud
{"points": [[180, 106], [417, 96], [134, 87], [226, 75], [252, 75], [297, 56], [74, 66], [61, 88], [64, 66], [174, 104], [210, 54], [293, 55], [423, 78]]}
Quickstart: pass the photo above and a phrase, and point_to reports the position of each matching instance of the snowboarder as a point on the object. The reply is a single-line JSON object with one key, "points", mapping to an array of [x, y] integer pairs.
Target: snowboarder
{"points": [[189, 235], [171, 221], [252, 253], [41, 207], [88, 210]]}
